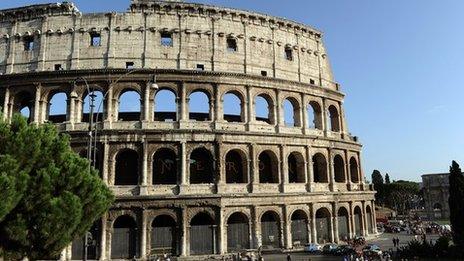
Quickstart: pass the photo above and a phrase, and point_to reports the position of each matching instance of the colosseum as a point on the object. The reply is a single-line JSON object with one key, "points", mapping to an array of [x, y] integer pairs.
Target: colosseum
{"points": [[217, 129]]}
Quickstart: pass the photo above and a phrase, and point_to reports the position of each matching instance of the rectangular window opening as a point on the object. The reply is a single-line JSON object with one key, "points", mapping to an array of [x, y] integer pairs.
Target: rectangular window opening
{"points": [[288, 54], [129, 65], [231, 45], [200, 67], [29, 43], [263, 73], [166, 39], [58, 67], [311, 81], [95, 39]]}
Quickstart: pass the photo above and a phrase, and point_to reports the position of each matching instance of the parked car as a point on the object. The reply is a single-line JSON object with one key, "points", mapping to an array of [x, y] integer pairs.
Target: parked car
{"points": [[372, 250], [313, 248], [343, 250], [329, 249]]}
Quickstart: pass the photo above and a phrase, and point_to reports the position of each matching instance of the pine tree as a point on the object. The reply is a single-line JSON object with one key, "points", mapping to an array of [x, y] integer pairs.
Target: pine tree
{"points": [[456, 203], [49, 194], [377, 177], [387, 179], [377, 180]]}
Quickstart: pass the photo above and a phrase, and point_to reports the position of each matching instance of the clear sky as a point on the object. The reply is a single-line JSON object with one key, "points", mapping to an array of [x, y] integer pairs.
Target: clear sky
{"points": [[400, 63]]}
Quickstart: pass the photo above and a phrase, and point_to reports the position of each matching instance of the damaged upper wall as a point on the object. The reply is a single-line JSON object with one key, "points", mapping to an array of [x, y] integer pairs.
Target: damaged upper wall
{"points": [[162, 34]]}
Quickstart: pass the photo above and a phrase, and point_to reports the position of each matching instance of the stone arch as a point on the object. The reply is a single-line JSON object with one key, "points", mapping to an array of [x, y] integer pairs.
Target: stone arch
{"points": [[320, 168], [358, 221], [164, 235], [270, 229], [199, 105], [296, 166], [203, 234], [354, 170], [339, 169], [264, 108], [98, 108], [124, 238], [57, 107], [236, 167], [23, 103], [165, 105], [164, 167], [369, 219], [437, 210], [233, 107], [314, 115], [201, 166], [343, 223], [126, 167], [129, 105], [323, 225], [291, 108], [299, 227], [268, 167], [238, 232], [334, 119]]}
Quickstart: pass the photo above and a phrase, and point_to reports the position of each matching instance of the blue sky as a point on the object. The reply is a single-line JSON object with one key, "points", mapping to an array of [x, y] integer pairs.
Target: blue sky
{"points": [[400, 63]]}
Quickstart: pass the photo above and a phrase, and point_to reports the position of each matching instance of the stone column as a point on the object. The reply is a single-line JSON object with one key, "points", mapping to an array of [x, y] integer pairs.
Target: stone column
{"points": [[183, 106], [324, 117], [310, 169], [287, 230], [220, 166], [278, 112], [304, 114], [184, 241], [71, 111], [109, 105], [284, 179], [257, 230], [352, 221], [6, 103], [106, 151], [365, 230], [212, 110], [143, 243], [348, 169], [146, 103], [103, 253], [331, 171], [222, 233], [360, 169], [250, 105], [254, 167], [38, 90], [335, 222], [374, 221], [219, 111], [183, 167], [143, 187]]}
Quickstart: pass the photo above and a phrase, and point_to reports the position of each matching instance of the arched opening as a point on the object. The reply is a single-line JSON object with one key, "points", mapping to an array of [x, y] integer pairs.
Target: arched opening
{"points": [[24, 104], [124, 238], [339, 169], [163, 235], [236, 167], [263, 109], [127, 168], [354, 170], [370, 225], [199, 106], [342, 219], [129, 106], [97, 106], [437, 211], [232, 107], [164, 167], [202, 235], [201, 166], [26, 113], [93, 245], [334, 119], [270, 230], [165, 105], [296, 168], [323, 225], [299, 228], [57, 107], [358, 221], [268, 167], [314, 116], [291, 112], [320, 168], [238, 234]]}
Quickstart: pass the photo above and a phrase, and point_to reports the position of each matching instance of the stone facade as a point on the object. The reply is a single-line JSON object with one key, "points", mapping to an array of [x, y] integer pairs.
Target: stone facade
{"points": [[436, 195], [233, 181]]}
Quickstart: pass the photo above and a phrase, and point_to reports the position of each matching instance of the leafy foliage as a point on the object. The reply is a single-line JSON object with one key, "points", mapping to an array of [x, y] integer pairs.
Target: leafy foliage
{"points": [[456, 203], [53, 196]]}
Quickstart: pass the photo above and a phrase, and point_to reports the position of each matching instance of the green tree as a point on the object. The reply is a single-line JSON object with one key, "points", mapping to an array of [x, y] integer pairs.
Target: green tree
{"points": [[377, 178], [456, 203], [52, 195], [400, 195], [387, 179]]}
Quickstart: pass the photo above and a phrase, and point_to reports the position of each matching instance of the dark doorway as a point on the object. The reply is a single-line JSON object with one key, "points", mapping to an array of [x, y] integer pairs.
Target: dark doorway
{"points": [[202, 235]]}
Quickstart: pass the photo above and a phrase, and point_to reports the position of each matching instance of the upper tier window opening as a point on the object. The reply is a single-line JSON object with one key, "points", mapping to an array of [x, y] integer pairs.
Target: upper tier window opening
{"points": [[166, 39], [28, 43], [95, 39], [288, 54], [231, 45]]}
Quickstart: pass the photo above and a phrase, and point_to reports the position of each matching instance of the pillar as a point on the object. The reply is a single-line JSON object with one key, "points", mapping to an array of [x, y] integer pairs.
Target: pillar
{"points": [[278, 111], [313, 224], [106, 151], [183, 166], [336, 238], [324, 117], [6, 102], [331, 171], [146, 103], [304, 114], [103, 253], [38, 90], [250, 102], [365, 230], [109, 105], [143, 188], [183, 106], [257, 230], [143, 241], [222, 238], [283, 165], [351, 220], [332, 228], [254, 166], [71, 111], [360, 169], [310, 169], [374, 219], [184, 234], [287, 229]]}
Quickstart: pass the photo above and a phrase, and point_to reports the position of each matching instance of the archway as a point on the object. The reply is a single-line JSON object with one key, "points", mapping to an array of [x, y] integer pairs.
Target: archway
{"points": [[320, 168], [268, 167], [299, 228], [339, 169], [296, 167], [26, 113], [238, 234], [127, 168], [165, 108], [323, 225], [270, 229], [57, 107], [199, 106], [98, 106], [358, 221], [164, 235], [370, 225], [24, 104], [236, 167], [93, 248], [314, 116], [437, 211], [232, 107], [263, 109], [124, 238], [202, 235], [129, 106], [342, 219], [291, 112], [164, 167], [354, 170], [201, 166], [334, 119]]}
